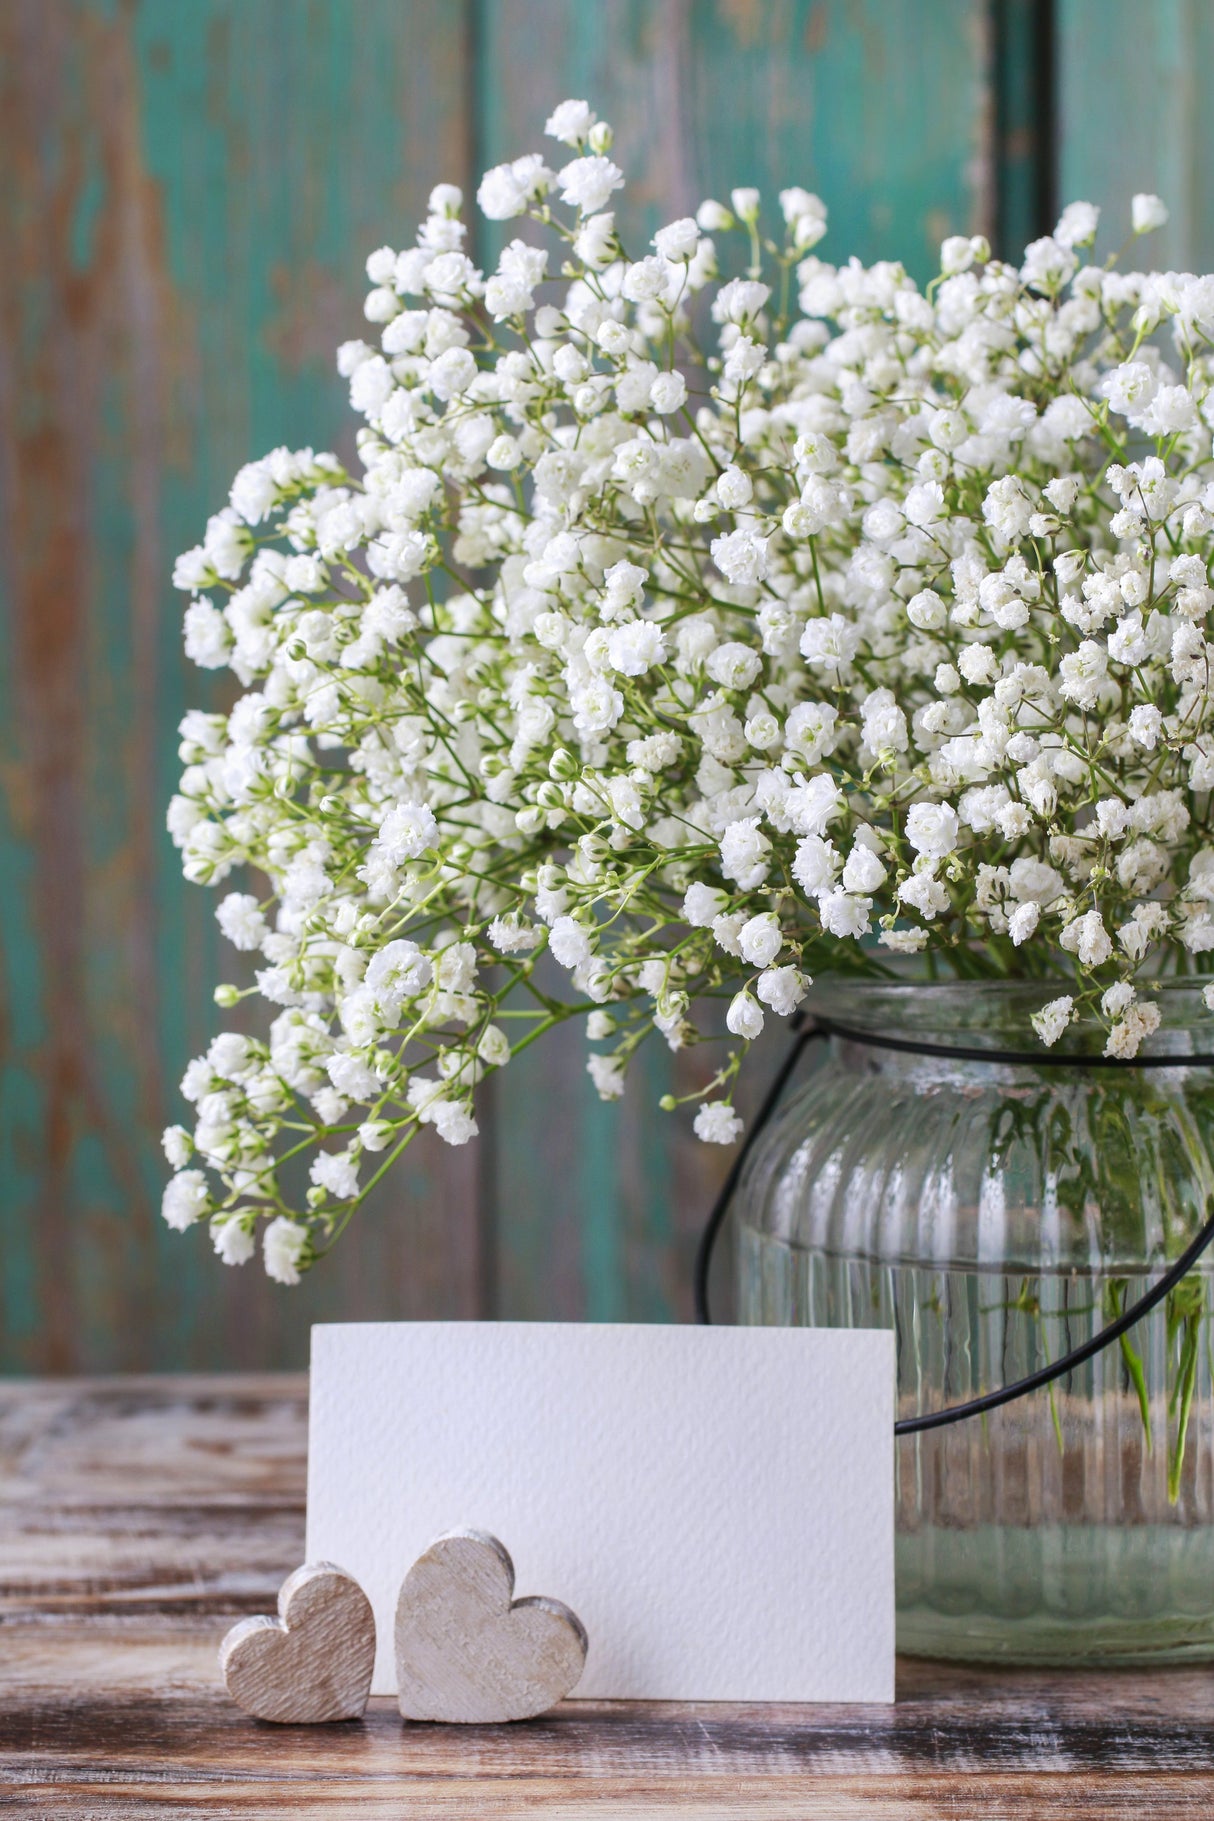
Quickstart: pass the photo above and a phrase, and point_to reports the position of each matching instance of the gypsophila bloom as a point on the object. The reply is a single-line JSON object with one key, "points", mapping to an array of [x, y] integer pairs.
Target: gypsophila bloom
{"points": [[177, 1145], [708, 626], [185, 1199], [1052, 1019], [1147, 212], [717, 1123], [232, 1241], [284, 1244]]}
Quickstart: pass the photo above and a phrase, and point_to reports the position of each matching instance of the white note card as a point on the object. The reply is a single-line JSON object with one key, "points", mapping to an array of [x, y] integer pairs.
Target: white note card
{"points": [[716, 1504]]}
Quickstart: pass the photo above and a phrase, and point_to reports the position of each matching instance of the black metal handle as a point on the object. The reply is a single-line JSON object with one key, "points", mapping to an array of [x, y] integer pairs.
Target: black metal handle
{"points": [[808, 1031]]}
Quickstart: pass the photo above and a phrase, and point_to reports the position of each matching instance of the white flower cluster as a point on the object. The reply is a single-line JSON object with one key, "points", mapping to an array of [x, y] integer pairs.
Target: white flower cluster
{"points": [[700, 632]]}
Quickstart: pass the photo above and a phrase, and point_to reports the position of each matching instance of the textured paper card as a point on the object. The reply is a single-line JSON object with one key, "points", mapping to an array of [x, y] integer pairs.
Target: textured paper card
{"points": [[715, 1504]]}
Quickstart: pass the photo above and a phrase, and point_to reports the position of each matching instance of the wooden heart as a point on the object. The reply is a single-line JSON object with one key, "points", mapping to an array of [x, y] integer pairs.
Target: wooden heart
{"points": [[465, 1653], [313, 1662]]}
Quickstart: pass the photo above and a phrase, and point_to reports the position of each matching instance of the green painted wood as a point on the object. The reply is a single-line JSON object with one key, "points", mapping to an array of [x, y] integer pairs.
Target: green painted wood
{"points": [[189, 192], [1133, 114], [879, 105], [1023, 67], [883, 107], [189, 188]]}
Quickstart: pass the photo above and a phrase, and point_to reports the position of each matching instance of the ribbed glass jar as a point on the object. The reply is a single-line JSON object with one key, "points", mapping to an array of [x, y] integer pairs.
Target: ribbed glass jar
{"points": [[996, 1215]]}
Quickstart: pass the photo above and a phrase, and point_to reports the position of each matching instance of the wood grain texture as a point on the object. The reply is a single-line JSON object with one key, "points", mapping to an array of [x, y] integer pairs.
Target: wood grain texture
{"points": [[466, 1651], [313, 1663], [1025, 172], [190, 190], [1133, 115], [113, 1706], [884, 108]]}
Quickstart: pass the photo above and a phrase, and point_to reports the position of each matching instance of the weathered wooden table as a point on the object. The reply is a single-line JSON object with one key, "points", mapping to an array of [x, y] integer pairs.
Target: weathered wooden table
{"points": [[138, 1516]]}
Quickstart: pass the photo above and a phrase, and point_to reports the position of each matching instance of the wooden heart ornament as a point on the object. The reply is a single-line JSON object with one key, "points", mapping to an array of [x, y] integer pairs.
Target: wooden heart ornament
{"points": [[465, 1652], [314, 1661]]}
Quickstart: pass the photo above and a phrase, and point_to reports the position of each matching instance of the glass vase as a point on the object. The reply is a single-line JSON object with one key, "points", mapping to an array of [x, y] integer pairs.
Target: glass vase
{"points": [[996, 1215]]}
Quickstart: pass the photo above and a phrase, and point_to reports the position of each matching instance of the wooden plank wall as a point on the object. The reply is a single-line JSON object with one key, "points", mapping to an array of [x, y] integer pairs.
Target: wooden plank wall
{"points": [[1134, 114], [187, 192]]}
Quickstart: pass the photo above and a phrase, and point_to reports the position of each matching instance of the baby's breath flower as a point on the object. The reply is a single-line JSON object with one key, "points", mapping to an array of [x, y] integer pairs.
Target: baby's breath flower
{"points": [[607, 1075], [185, 1200], [283, 1246], [233, 1240], [717, 1123], [570, 122], [876, 623], [587, 183], [1148, 212], [1050, 1022]]}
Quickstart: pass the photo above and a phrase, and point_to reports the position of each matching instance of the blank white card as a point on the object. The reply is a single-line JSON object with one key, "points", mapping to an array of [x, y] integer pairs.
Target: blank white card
{"points": [[716, 1504]]}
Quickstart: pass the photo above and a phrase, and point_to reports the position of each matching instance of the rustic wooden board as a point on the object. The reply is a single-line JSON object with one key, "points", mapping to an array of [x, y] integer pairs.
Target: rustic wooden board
{"points": [[189, 193], [1133, 115], [190, 189], [1024, 67], [136, 1515], [885, 109]]}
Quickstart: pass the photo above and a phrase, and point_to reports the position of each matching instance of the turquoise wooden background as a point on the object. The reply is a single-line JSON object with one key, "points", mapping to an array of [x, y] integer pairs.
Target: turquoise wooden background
{"points": [[187, 191]]}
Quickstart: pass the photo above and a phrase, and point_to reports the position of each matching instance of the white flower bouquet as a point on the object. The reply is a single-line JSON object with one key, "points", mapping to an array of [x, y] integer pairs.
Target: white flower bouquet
{"points": [[703, 631]]}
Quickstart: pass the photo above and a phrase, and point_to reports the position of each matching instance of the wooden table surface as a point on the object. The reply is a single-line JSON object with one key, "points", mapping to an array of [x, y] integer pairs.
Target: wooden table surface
{"points": [[138, 1517]]}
